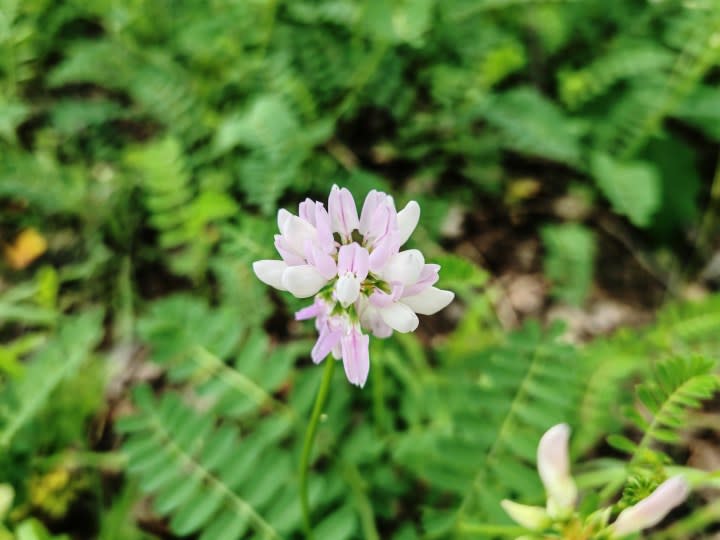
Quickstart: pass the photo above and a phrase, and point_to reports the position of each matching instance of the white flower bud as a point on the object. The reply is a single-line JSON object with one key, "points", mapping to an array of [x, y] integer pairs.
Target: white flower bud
{"points": [[554, 467], [530, 517]]}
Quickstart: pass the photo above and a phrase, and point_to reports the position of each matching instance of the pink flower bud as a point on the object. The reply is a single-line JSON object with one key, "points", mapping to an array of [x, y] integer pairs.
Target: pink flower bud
{"points": [[652, 509]]}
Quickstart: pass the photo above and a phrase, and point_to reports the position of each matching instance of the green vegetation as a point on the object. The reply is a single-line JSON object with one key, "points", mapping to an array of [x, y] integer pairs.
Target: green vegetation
{"points": [[152, 387]]}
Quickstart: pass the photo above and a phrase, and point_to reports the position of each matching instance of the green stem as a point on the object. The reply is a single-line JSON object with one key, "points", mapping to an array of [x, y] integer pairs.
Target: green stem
{"points": [[308, 443], [470, 527]]}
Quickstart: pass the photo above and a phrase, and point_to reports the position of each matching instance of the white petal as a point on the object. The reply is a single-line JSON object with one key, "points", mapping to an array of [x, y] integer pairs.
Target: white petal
{"points": [[429, 301], [404, 267], [270, 272], [282, 217], [408, 219], [297, 232], [347, 289], [399, 317], [302, 281], [553, 464], [530, 517]]}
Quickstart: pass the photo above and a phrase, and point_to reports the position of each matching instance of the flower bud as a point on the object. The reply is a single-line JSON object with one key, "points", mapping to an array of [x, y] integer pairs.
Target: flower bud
{"points": [[530, 517], [652, 509], [554, 467]]}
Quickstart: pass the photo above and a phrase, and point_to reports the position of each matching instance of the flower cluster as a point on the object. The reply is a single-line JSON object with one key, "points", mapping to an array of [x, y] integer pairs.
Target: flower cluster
{"points": [[354, 268], [559, 515]]}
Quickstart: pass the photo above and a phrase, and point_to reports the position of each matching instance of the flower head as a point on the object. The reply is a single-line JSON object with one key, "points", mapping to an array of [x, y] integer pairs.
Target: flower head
{"points": [[559, 516], [354, 268]]}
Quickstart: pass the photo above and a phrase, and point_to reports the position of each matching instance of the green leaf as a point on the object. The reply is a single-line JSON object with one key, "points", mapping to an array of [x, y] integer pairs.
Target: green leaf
{"points": [[569, 260], [632, 187]]}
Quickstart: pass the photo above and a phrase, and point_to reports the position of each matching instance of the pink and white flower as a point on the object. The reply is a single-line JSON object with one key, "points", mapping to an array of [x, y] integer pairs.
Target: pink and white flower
{"points": [[354, 268], [553, 465]]}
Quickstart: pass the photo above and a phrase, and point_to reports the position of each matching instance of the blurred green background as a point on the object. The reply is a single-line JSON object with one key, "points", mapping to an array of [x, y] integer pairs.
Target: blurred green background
{"points": [[564, 154]]}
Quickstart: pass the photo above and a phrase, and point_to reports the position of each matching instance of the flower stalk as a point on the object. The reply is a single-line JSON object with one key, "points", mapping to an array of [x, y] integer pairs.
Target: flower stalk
{"points": [[320, 400]]}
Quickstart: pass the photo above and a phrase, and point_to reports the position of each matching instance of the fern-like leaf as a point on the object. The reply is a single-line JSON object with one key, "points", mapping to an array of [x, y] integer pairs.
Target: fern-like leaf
{"points": [[59, 359], [197, 470]]}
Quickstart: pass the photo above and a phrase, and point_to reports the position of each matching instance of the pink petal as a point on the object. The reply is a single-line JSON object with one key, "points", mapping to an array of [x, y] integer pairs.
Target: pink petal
{"points": [[309, 312], [381, 254], [324, 263], [342, 210], [428, 276], [371, 203], [296, 233], [327, 340], [371, 320], [287, 254], [306, 211], [356, 356], [652, 509], [353, 258], [382, 299], [324, 229]]}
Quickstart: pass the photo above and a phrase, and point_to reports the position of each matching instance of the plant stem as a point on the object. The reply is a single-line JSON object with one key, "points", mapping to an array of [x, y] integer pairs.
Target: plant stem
{"points": [[308, 443], [490, 529]]}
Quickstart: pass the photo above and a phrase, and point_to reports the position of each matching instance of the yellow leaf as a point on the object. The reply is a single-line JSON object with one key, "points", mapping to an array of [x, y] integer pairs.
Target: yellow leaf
{"points": [[28, 246]]}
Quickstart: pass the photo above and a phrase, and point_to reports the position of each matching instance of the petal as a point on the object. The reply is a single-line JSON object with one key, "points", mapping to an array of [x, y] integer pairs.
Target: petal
{"points": [[430, 301], [282, 217], [356, 357], [371, 320], [408, 219], [327, 340], [324, 229], [346, 254], [530, 517], [309, 312], [302, 281], [361, 262], [342, 210], [651, 510], [270, 272], [405, 267], [400, 317], [287, 254], [347, 289], [382, 253], [371, 203], [553, 465], [382, 299], [306, 211], [296, 233], [428, 276], [324, 263]]}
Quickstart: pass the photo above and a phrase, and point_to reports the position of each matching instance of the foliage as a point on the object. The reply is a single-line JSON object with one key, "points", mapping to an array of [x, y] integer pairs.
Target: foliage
{"points": [[569, 260], [146, 147]]}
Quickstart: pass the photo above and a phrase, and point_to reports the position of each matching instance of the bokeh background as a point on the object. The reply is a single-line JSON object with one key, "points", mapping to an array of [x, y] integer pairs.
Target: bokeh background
{"points": [[565, 156]]}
